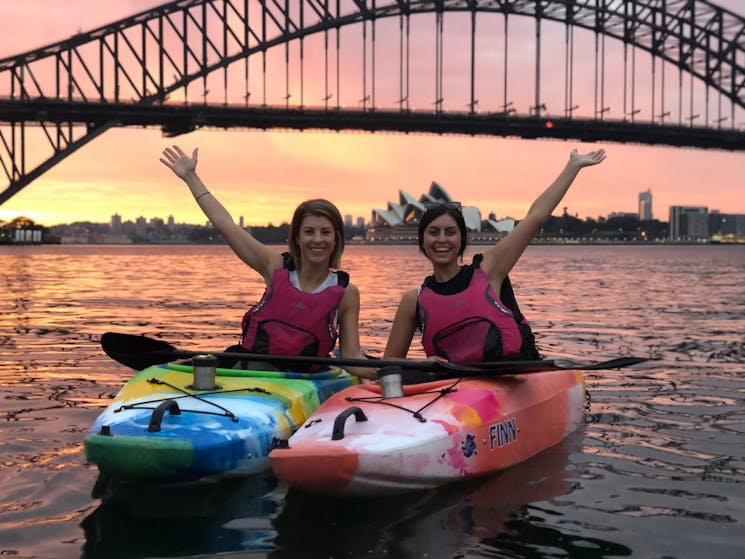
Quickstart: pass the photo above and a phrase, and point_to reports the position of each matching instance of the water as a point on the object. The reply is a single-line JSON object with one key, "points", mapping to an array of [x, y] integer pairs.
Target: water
{"points": [[658, 470]]}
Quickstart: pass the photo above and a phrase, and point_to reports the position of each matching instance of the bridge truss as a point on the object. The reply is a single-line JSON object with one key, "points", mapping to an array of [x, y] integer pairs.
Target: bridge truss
{"points": [[442, 66]]}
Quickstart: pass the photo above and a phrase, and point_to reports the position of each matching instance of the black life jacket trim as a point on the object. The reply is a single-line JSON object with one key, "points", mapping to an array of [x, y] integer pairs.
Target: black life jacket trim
{"points": [[461, 280]]}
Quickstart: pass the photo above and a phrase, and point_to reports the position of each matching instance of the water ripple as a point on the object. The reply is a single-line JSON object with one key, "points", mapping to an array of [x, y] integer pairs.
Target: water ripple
{"points": [[658, 471]]}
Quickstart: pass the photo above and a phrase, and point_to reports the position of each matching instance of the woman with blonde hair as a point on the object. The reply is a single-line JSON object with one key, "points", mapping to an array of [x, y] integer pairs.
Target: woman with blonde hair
{"points": [[308, 303]]}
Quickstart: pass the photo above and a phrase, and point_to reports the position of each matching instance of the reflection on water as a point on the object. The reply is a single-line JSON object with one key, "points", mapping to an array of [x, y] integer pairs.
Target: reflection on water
{"points": [[447, 522], [659, 470], [203, 518], [257, 514]]}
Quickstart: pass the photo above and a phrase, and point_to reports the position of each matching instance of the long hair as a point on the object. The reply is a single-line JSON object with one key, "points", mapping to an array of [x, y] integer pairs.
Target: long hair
{"points": [[319, 208], [436, 211]]}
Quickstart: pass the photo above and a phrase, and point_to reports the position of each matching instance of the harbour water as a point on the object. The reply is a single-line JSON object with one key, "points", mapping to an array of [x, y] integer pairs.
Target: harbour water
{"points": [[657, 471]]}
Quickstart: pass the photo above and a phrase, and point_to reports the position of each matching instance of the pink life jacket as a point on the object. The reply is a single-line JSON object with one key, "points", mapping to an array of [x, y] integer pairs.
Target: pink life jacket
{"points": [[289, 321], [473, 325]]}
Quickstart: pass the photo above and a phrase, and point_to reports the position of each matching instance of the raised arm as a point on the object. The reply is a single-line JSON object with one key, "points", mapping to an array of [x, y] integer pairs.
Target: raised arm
{"points": [[499, 260], [260, 257]]}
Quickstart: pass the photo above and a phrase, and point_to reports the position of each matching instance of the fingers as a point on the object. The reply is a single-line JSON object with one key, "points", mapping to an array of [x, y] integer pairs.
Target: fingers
{"points": [[595, 153], [175, 152], [595, 156], [170, 154]]}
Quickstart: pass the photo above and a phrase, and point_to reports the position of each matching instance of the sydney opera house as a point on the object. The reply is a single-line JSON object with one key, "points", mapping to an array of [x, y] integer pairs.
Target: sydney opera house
{"points": [[398, 223]]}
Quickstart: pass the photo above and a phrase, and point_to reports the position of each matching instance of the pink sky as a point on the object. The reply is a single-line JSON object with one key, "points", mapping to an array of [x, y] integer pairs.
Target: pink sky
{"points": [[263, 175]]}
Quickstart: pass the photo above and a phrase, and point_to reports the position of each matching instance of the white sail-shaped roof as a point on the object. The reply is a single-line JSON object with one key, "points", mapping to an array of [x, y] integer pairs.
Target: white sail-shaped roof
{"points": [[405, 198], [409, 210], [503, 225], [437, 192], [394, 215], [472, 217]]}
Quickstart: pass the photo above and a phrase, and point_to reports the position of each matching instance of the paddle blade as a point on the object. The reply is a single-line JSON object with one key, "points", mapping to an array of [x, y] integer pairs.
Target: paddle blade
{"points": [[496, 368], [137, 352], [617, 363]]}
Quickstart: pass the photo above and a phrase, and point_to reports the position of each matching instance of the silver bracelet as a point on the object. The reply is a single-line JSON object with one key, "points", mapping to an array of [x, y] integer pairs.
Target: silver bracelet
{"points": [[202, 194]]}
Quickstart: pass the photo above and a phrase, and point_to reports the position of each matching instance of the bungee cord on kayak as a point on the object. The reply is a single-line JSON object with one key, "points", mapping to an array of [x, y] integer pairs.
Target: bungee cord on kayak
{"points": [[185, 394], [382, 400]]}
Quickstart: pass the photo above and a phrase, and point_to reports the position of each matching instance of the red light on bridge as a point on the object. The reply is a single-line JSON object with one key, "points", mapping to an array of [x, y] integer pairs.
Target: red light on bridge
{"points": [[549, 124]]}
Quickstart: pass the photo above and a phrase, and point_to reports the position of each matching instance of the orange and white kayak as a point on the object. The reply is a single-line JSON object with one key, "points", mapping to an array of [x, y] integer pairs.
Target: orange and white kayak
{"points": [[359, 443]]}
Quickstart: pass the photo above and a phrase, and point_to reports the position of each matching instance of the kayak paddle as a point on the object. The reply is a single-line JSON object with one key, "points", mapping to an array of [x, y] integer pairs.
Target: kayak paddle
{"points": [[140, 352]]}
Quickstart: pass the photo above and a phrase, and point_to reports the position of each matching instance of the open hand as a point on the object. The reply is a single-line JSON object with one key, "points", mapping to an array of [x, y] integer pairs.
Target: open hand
{"points": [[587, 159], [175, 159]]}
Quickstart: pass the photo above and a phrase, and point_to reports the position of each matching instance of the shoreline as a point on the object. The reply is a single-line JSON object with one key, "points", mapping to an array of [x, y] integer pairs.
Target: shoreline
{"points": [[572, 242]]}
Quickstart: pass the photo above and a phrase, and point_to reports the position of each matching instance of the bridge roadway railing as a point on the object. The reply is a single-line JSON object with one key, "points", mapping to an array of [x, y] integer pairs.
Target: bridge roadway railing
{"points": [[151, 62]]}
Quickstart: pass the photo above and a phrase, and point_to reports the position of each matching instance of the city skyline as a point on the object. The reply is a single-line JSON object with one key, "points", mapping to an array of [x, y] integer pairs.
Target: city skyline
{"points": [[646, 199], [264, 175], [398, 224]]}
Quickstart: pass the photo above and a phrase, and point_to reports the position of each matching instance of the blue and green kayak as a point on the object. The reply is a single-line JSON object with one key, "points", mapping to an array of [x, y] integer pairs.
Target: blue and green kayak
{"points": [[159, 429]]}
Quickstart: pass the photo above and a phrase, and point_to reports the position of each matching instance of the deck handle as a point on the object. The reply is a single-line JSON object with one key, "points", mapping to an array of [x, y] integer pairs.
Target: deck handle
{"points": [[341, 420], [167, 405]]}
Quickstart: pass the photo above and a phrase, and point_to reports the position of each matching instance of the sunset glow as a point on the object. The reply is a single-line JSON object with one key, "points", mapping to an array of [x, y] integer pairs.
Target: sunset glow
{"points": [[262, 176]]}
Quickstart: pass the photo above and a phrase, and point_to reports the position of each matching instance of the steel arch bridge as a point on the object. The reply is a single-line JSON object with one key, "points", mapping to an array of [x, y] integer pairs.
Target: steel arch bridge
{"points": [[368, 64]]}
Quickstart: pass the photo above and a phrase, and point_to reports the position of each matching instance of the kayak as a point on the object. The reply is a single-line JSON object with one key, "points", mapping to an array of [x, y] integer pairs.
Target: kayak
{"points": [[473, 518], [359, 443], [160, 428]]}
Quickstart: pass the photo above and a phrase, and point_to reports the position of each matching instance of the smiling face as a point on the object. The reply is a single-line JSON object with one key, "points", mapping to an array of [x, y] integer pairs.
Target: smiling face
{"points": [[441, 240], [301, 228], [438, 211], [316, 239]]}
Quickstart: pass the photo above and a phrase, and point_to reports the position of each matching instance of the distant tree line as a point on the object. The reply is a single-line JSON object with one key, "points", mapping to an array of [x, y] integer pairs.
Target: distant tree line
{"points": [[267, 234], [8, 228], [617, 227], [156, 232]]}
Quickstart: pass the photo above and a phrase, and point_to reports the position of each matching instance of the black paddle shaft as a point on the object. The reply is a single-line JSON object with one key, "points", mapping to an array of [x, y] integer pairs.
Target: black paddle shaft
{"points": [[140, 352]]}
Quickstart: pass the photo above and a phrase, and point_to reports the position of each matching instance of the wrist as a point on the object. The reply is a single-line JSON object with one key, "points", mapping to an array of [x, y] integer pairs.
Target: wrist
{"points": [[190, 177], [574, 166]]}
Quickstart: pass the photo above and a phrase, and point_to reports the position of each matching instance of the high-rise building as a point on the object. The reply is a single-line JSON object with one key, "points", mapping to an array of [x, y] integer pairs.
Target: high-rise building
{"points": [[689, 222], [348, 220], [116, 224], [141, 227], [645, 205], [360, 222], [726, 224]]}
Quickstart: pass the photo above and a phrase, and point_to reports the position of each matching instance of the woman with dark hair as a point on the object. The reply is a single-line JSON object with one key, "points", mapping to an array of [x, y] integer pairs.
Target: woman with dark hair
{"points": [[468, 313], [306, 305]]}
